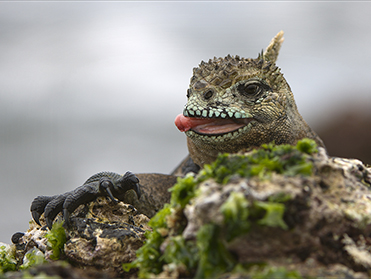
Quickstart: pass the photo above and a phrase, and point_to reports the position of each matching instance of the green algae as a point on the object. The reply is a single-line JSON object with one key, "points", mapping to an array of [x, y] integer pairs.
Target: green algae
{"points": [[56, 239], [33, 258], [273, 214], [236, 212], [282, 159], [9, 263], [214, 258], [181, 252], [7, 260], [183, 191], [275, 272], [240, 214], [207, 256], [307, 146]]}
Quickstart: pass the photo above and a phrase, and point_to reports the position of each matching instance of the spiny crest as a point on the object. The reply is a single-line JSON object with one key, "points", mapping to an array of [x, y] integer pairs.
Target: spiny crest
{"points": [[221, 71], [221, 64]]}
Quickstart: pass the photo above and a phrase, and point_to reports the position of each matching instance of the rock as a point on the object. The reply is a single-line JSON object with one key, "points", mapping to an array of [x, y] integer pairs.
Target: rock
{"points": [[280, 211], [309, 225], [59, 269], [106, 237], [327, 217], [102, 236]]}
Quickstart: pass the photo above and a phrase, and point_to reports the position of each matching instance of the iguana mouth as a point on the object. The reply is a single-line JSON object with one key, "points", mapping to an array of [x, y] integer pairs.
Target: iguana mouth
{"points": [[210, 126]]}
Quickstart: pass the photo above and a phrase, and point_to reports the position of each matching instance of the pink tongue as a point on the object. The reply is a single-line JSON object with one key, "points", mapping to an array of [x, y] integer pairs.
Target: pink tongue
{"points": [[211, 126], [185, 123]]}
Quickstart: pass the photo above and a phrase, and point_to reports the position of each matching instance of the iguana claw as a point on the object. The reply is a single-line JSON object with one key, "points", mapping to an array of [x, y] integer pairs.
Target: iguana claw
{"points": [[109, 184]]}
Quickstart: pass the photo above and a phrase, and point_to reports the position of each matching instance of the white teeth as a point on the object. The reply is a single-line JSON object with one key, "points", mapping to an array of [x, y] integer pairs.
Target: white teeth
{"points": [[226, 113]]}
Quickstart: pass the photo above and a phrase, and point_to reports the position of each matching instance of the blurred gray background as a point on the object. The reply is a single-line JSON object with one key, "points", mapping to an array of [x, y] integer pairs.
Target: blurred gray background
{"points": [[93, 86]]}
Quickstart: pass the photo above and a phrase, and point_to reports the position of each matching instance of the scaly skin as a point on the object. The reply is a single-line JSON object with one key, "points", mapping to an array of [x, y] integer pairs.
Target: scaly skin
{"points": [[148, 197], [237, 104], [234, 104], [107, 184]]}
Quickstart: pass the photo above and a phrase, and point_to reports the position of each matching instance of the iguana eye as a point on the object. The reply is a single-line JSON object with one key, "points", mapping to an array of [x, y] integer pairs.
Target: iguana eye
{"points": [[249, 89], [253, 89]]}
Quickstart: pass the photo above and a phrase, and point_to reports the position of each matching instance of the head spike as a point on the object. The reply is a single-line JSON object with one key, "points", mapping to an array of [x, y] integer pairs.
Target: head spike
{"points": [[271, 52], [261, 55]]}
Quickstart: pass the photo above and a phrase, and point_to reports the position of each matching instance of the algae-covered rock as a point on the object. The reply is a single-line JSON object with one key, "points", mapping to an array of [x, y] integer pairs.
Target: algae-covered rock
{"points": [[280, 211], [276, 212]]}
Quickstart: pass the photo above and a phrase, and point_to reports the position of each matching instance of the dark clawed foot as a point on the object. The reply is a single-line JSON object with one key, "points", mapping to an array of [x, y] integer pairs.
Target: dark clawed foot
{"points": [[38, 206], [107, 184], [132, 182], [54, 207]]}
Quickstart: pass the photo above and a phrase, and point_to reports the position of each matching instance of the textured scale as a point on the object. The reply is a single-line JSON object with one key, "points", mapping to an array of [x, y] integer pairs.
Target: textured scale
{"points": [[96, 177]]}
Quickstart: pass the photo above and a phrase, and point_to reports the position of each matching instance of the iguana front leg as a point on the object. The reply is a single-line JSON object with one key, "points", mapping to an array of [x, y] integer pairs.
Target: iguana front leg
{"points": [[147, 198]]}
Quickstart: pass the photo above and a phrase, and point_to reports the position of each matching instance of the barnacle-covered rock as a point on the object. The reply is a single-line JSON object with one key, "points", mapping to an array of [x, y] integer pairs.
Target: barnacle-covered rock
{"points": [[280, 211], [102, 236], [106, 237]]}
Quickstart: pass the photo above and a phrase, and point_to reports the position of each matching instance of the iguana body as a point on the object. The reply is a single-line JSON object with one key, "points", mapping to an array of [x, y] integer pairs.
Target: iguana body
{"points": [[234, 104]]}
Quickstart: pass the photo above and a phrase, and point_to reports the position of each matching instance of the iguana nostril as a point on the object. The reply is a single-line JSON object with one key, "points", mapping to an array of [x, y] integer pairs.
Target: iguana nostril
{"points": [[208, 94], [189, 93]]}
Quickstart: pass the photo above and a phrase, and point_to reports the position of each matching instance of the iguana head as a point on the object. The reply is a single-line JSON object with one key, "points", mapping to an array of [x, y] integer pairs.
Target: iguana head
{"points": [[236, 103]]}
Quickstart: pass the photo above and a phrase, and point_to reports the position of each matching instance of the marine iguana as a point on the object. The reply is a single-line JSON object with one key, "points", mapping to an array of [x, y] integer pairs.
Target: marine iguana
{"points": [[234, 104]]}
